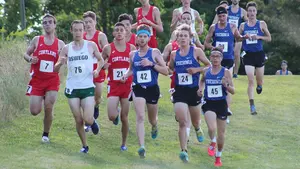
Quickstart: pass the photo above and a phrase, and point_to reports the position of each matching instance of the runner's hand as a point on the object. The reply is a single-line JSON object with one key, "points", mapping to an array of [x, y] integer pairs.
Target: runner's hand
{"points": [[96, 73], [146, 62], [34, 60]]}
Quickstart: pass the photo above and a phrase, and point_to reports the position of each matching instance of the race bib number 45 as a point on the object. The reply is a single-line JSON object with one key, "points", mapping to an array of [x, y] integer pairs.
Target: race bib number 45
{"points": [[46, 66], [144, 76], [118, 73], [185, 79], [214, 91]]}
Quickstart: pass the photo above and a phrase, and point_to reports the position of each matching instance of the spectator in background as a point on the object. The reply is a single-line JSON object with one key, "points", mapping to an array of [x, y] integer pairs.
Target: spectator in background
{"points": [[284, 69]]}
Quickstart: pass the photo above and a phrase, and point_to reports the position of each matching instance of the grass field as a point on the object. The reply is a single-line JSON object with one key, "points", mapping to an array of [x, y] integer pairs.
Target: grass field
{"points": [[269, 140]]}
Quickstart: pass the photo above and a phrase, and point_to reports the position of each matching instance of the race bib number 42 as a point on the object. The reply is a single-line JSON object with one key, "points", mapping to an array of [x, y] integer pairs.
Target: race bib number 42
{"points": [[46, 66], [214, 91], [223, 45], [118, 73], [185, 79], [144, 76]]}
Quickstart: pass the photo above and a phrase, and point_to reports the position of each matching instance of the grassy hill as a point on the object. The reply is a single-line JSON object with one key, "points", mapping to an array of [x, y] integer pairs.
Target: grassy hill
{"points": [[268, 140]]}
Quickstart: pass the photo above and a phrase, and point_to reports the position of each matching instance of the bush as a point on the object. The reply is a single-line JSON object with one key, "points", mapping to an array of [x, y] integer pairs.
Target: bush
{"points": [[14, 78]]}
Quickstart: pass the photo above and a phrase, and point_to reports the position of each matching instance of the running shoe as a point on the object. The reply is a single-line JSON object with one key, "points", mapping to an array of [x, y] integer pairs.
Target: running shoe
{"points": [[123, 148], [200, 135], [227, 120], [95, 127], [84, 149], [116, 121], [45, 139], [154, 132], [218, 162], [87, 128], [229, 112], [142, 152], [184, 156], [253, 110], [235, 76], [258, 89], [211, 150]]}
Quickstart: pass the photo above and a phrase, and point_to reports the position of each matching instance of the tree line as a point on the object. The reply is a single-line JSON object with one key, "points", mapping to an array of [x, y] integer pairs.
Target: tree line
{"points": [[282, 17]]}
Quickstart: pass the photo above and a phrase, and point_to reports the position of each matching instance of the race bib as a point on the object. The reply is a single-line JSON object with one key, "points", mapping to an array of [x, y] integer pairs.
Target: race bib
{"points": [[69, 91], [29, 89], [224, 45], [185, 79], [144, 76], [118, 73], [151, 30], [248, 41], [214, 91], [108, 89], [234, 21], [46, 66], [78, 70]]}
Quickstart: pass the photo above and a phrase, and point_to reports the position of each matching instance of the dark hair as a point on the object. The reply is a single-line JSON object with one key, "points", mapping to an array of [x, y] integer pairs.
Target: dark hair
{"points": [[251, 3], [223, 2], [125, 16], [119, 24], [50, 16], [186, 13], [144, 27], [221, 10], [90, 14], [77, 22], [284, 61], [217, 49]]}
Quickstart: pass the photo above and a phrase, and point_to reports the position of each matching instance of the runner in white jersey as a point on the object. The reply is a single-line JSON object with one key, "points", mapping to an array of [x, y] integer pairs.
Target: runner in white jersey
{"points": [[80, 89], [186, 7]]}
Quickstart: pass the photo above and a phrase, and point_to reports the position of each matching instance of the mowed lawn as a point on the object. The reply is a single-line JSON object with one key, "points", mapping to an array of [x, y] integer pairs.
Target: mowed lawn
{"points": [[268, 140]]}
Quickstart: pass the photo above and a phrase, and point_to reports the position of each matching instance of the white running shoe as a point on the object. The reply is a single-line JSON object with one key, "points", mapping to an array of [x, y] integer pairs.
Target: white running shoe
{"points": [[45, 139], [227, 120]]}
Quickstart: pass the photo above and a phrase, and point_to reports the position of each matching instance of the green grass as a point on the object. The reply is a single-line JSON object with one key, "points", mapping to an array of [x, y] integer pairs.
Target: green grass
{"points": [[269, 140]]}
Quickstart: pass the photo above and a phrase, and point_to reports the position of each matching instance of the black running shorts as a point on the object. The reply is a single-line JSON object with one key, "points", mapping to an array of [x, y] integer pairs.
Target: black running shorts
{"points": [[256, 59], [218, 106], [186, 95], [150, 94]]}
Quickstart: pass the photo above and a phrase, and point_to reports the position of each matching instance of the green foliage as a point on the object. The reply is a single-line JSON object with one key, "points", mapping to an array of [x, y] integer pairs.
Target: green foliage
{"points": [[63, 26]]}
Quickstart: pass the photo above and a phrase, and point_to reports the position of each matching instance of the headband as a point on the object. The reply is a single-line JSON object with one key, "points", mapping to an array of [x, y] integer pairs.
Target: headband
{"points": [[143, 31], [217, 52]]}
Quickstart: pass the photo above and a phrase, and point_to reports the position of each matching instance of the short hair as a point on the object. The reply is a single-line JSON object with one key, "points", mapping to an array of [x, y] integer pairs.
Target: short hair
{"points": [[223, 2], [119, 24], [77, 22], [90, 14], [186, 13], [218, 50], [125, 16], [47, 15], [143, 27], [185, 27], [251, 3], [284, 62]]}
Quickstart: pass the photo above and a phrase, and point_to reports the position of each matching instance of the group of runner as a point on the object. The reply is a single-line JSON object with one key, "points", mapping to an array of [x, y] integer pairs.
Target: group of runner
{"points": [[133, 63]]}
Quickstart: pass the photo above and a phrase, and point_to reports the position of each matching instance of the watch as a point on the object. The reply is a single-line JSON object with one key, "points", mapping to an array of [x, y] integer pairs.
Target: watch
{"points": [[30, 59]]}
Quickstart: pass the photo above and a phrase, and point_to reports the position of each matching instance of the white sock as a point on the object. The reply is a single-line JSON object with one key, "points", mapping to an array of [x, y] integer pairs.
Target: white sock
{"points": [[218, 153], [214, 140], [188, 131]]}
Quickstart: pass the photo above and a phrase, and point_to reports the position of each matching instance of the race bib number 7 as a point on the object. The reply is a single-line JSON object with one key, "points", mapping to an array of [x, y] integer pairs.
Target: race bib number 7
{"points": [[144, 76], [185, 79], [46, 66], [214, 91], [118, 73]]}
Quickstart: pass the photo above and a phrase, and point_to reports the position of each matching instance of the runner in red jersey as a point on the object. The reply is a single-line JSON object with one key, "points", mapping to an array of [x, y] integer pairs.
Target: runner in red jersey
{"points": [[126, 19], [100, 39], [149, 15], [42, 53], [117, 54]]}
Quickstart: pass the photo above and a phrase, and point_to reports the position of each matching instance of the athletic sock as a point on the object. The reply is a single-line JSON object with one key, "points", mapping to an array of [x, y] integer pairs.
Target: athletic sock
{"points": [[188, 131], [251, 102], [45, 134], [219, 153], [214, 140]]}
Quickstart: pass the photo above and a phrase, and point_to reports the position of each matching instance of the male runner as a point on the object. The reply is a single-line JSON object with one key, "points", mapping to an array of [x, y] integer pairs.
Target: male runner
{"points": [[42, 54]]}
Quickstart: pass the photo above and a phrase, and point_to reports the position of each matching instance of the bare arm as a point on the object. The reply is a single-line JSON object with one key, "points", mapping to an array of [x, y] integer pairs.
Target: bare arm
{"points": [[167, 51], [97, 54], [175, 19], [228, 82], [198, 42], [134, 26], [200, 56], [102, 40], [31, 48], [237, 34], [244, 15], [61, 45], [290, 73], [161, 66], [63, 55], [158, 26], [208, 39], [106, 52], [201, 84], [265, 29], [129, 71], [173, 37], [200, 22], [277, 72], [172, 60]]}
